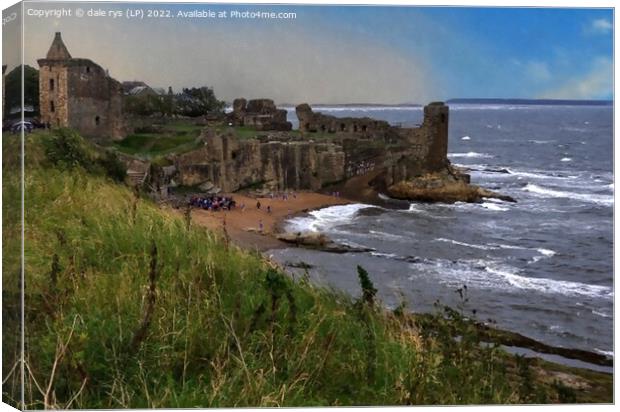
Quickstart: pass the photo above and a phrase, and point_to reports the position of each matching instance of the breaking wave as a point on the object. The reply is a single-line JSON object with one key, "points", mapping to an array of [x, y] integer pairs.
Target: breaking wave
{"points": [[471, 155], [606, 200], [488, 274], [326, 218]]}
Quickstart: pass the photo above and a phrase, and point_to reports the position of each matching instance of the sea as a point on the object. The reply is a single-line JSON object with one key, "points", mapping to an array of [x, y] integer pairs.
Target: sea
{"points": [[542, 267]]}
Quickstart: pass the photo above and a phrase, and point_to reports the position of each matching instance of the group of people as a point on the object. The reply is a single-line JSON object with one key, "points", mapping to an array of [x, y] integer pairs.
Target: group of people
{"points": [[213, 202]]}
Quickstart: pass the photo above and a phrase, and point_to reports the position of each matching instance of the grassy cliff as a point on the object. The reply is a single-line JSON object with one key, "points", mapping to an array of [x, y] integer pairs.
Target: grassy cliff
{"points": [[131, 305]]}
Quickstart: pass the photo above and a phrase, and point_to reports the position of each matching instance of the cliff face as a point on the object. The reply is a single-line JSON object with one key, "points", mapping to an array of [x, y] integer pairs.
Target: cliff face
{"points": [[232, 163]]}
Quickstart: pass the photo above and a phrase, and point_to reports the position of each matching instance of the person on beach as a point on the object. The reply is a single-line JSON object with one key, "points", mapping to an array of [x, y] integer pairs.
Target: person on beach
{"points": [[260, 225], [269, 209], [258, 205]]}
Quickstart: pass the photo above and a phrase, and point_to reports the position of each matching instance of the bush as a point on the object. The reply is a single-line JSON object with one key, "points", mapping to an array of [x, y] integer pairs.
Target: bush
{"points": [[113, 166], [66, 149]]}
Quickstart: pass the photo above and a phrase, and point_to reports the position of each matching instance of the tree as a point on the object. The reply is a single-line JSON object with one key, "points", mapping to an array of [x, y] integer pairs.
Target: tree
{"points": [[198, 101], [13, 84], [144, 105]]}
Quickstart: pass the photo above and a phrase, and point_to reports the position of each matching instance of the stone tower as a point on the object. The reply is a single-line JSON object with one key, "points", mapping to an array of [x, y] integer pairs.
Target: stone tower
{"points": [[79, 94]]}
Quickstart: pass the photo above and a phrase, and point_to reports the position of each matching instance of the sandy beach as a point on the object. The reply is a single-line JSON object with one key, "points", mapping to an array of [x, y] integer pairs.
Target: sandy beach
{"points": [[243, 222]]}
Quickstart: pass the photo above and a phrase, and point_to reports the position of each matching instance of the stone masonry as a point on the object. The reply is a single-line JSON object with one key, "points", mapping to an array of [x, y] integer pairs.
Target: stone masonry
{"points": [[259, 114], [78, 93]]}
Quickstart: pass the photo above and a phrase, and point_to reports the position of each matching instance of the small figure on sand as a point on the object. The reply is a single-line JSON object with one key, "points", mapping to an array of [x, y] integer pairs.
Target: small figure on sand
{"points": [[260, 225], [258, 205], [269, 209]]}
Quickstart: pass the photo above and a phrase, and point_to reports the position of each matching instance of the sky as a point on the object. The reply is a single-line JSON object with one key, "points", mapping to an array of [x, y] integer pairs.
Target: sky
{"points": [[346, 54]]}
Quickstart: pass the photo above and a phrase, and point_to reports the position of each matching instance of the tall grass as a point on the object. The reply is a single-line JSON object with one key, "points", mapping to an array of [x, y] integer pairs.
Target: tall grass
{"points": [[129, 305]]}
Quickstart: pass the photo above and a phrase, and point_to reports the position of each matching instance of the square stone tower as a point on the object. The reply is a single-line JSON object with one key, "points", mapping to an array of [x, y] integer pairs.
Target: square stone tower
{"points": [[79, 94]]}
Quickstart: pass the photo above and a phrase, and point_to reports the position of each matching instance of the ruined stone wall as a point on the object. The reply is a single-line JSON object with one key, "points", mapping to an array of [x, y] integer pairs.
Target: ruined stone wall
{"points": [[259, 114], [232, 164], [426, 148], [287, 162], [312, 122]]}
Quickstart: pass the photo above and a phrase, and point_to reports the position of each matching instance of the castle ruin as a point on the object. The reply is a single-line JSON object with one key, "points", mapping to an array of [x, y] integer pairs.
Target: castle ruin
{"points": [[78, 93], [312, 160]]}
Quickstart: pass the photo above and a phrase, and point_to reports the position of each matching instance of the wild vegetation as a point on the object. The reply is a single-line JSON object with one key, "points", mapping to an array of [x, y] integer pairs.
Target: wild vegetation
{"points": [[129, 305], [171, 137]]}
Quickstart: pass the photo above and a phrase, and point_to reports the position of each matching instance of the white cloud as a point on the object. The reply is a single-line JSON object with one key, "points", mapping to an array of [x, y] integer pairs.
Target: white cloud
{"points": [[600, 26], [595, 84]]}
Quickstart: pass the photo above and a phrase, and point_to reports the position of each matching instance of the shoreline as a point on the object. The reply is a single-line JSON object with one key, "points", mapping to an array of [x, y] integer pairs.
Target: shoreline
{"points": [[243, 223], [242, 228]]}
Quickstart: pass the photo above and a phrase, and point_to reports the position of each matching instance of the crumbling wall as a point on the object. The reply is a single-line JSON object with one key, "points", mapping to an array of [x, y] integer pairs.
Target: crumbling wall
{"points": [[260, 114], [232, 164], [312, 122]]}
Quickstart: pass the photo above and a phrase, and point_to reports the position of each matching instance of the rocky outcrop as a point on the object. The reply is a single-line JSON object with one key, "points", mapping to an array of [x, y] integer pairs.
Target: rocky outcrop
{"points": [[319, 241], [445, 186]]}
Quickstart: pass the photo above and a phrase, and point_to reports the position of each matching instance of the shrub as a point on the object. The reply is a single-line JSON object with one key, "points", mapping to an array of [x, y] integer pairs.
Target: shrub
{"points": [[66, 149], [113, 166]]}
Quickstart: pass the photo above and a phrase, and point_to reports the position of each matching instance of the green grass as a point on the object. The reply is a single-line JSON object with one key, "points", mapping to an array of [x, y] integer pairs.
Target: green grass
{"points": [[133, 306], [178, 136]]}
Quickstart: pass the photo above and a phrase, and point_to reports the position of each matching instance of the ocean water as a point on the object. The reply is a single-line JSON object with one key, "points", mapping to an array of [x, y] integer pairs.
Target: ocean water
{"points": [[542, 267]]}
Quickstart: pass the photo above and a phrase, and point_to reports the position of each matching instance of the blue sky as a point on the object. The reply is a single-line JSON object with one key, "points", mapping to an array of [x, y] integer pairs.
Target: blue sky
{"points": [[334, 54]]}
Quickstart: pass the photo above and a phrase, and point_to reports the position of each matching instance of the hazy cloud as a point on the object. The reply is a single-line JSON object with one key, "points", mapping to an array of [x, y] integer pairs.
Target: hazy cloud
{"points": [[287, 62], [595, 84], [600, 26]]}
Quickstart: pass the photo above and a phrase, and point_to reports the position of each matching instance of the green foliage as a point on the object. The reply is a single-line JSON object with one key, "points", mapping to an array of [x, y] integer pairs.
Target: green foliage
{"points": [[66, 149], [173, 137], [565, 393], [368, 289], [13, 84], [113, 166], [198, 101]]}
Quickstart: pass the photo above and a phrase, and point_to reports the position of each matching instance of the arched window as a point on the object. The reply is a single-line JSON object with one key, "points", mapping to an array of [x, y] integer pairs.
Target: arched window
{"points": [[52, 107], [97, 120], [51, 85], [87, 69]]}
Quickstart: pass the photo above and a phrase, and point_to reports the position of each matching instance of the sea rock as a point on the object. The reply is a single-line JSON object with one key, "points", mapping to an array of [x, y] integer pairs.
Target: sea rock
{"points": [[319, 241], [305, 238], [444, 187]]}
